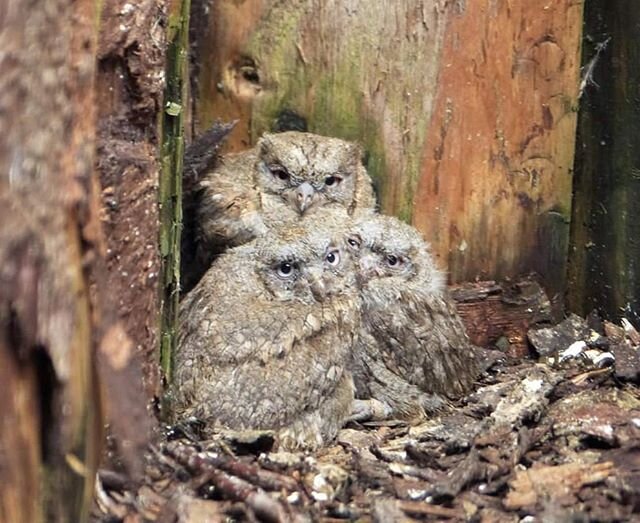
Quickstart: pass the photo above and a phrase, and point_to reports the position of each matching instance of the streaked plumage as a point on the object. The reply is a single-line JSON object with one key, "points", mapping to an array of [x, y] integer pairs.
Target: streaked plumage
{"points": [[413, 353]]}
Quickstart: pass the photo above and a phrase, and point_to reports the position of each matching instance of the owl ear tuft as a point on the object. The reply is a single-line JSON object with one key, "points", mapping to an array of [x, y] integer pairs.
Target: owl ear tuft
{"points": [[358, 154], [264, 142]]}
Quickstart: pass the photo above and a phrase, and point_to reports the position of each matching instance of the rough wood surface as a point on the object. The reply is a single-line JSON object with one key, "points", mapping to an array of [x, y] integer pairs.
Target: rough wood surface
{"points": [[502, 313], [604, 271], [129, 97], [466, 111], [50, 433], [494, 194], [170, 190]]}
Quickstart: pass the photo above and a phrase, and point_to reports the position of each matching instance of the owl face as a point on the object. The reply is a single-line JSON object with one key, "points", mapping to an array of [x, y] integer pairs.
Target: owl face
{"points": [[308, 171], [391, 252], [303, 266]]}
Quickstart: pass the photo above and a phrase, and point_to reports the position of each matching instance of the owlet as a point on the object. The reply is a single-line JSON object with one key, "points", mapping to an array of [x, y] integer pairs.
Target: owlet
{"points": [[266, 334], [285, 177], [412, 353]]}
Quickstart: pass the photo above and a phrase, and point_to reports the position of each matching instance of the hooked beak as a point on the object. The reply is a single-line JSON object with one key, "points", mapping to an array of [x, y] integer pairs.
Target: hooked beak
{"points": [[316, 283], [304, 196], [368, 267]]}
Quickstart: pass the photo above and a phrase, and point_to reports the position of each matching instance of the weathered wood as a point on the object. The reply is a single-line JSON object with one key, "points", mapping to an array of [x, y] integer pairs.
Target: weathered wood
{"points": [[494, 194], [129, 98], [604, 271], [466, 110], [492, 311], [50, 433]]}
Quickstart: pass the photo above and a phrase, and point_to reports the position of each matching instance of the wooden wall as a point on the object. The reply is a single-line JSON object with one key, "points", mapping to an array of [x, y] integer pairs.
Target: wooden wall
{"points": [[467, 110], [605, 255]]}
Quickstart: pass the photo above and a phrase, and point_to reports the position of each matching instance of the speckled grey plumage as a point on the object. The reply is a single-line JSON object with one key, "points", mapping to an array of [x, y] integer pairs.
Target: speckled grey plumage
{"points": [[413, 353], [259, 351], [257, 189]]}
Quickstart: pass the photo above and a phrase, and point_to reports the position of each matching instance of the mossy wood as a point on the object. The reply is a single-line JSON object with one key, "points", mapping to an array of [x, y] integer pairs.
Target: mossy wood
{"points": [[50, 428], [172, 151], [467, 110], [604, 261]]}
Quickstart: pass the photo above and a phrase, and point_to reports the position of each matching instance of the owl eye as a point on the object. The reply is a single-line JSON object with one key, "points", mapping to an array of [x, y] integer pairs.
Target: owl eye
{"points": [[392, 261], [354, 242], [279, 172], [285, 269], [333, 257], [332, 180]]}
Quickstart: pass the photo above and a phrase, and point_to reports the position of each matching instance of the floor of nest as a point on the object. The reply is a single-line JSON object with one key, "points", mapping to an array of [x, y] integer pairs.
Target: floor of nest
{"points": [[532, 440]]}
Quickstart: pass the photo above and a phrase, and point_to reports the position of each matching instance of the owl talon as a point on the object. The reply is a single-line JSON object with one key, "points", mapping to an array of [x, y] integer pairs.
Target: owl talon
{"points": [[369, 410]]}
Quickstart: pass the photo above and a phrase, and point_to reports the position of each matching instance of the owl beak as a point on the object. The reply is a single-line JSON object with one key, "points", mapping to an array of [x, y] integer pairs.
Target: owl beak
{"points": [[304, 196], [316, 283], [368, 267]]}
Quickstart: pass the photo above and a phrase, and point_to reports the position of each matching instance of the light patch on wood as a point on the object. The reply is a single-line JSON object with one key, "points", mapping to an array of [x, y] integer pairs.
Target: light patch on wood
{"points": [[117, 347]]}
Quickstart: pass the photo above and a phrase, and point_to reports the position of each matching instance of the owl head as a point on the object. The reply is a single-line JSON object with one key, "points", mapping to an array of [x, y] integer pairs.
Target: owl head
{"points": [[308, 171], [392, 253], [307, 262]]}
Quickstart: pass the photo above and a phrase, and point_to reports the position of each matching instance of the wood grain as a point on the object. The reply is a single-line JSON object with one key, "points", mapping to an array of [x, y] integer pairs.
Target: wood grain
{"points": [[467, 111]]}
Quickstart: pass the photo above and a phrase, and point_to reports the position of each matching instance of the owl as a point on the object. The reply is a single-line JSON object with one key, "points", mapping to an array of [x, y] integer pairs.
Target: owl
{"points": [[265, 336], [412, 353], [284, 178]]}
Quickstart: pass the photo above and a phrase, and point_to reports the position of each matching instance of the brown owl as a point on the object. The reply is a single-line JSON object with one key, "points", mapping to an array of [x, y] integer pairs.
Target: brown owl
{"points": [[266, 334], [284, 178], [412, 353]]}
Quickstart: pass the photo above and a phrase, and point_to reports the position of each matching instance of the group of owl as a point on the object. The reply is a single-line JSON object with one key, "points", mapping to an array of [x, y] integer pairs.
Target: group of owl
{"points": [[316, 309]]}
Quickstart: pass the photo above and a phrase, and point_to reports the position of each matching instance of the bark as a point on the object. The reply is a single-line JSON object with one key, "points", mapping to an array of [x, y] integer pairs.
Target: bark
{"points": [[130, 83], [173, 121], [50, 433]]}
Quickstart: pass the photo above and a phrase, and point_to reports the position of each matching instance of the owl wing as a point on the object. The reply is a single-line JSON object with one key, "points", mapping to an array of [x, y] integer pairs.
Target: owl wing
{"points": [[229, 205], [280, 370], [423, 340]]}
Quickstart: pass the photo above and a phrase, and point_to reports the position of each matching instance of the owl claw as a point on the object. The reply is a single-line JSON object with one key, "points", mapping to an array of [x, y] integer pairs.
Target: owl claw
{"points": [[369, 410]]}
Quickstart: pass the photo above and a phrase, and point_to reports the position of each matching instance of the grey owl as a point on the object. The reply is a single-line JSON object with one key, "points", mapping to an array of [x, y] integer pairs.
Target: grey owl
{"points": [[266, 334], [412, 353], [284, 178]]}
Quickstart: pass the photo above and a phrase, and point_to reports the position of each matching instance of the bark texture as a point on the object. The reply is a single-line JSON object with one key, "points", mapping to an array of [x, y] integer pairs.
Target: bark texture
{"points": [[50, 431]]}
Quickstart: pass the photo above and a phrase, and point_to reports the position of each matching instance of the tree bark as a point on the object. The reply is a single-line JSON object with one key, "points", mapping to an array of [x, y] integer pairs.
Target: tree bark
{"points": [[50, 433], [466, 110], [130, 83]]}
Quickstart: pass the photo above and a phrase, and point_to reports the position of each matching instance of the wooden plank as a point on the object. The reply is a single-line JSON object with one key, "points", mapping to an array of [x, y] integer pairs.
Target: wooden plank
{"points": [[495, 188], [604, 272], [466, 110]]}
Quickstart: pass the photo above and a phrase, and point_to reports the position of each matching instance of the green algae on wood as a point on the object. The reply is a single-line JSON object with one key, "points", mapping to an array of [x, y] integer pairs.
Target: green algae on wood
{"points": [[459, 106], [170, 191]]}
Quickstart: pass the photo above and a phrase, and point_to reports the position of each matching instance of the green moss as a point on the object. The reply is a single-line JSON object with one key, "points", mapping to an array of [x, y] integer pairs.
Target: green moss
{"points": [[170, 189]]}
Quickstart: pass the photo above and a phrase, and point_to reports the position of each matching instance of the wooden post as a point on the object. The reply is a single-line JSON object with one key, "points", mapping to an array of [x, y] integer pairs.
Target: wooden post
{"points": [[604, 263], [466, 109], [50, 433]]}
